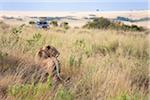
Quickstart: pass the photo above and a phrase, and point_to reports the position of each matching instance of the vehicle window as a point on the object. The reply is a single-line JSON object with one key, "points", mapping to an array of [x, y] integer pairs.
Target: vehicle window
{"points": [[40, 23], [44, 22]]}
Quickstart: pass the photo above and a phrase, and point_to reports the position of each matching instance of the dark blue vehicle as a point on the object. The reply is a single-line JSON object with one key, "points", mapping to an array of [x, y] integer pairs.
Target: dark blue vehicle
{"points": [[42, 24]]}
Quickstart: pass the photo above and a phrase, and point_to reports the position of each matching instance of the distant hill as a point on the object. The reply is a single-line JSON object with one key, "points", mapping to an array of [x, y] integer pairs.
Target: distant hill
{"points": [[119, 18]]}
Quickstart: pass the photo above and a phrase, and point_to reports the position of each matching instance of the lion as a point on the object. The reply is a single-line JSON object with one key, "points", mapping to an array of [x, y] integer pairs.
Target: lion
{"points": [[47, 57], [51, 51], [46, 52]]}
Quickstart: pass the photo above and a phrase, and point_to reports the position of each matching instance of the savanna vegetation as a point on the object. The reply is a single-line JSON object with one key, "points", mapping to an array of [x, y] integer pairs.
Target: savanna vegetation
{"points": [[104, 23], [102, 64]]}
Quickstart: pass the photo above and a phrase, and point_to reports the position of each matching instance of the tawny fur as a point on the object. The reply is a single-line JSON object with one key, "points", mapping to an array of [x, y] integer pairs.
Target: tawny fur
{"points": [[47, 58]]}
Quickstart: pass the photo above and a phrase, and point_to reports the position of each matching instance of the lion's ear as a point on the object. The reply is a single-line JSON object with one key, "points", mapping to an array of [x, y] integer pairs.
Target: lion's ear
{"points": [[40, 53], [48, 47]]}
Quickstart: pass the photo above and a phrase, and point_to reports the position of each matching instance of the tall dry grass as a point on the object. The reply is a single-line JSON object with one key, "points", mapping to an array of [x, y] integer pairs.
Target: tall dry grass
{"points": [[102, 64]]}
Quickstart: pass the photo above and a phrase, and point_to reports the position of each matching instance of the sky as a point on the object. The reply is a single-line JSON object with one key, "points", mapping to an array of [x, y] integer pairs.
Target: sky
{"points": [[73, 0], [73, 5]]}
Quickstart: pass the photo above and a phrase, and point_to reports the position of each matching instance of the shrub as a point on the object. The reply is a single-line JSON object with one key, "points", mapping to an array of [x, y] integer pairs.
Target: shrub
{"points": [[15, 35], [18, 30], [127, 27], [31, 22], [136, 28], [36, 37], [54, 23], [64, 25], [36, 40], [103, 23], [98, 23]]}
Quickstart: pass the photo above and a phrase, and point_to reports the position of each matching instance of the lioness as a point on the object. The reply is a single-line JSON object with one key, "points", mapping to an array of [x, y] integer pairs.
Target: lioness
{"points": [[47, 58]]}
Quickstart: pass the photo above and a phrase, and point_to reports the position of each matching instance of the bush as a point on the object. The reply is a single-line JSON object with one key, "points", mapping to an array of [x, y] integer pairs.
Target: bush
{"points": [[136, 28], [54, 23], [18, 30], [130, 28], [36, 37], [31, 22], [64, 25], [103, 23], [98, 23]]}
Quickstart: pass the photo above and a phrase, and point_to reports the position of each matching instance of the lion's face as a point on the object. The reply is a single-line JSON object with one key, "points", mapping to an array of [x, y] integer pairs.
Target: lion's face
{"points": [[51, 51], [43, 54], [46, 52]]}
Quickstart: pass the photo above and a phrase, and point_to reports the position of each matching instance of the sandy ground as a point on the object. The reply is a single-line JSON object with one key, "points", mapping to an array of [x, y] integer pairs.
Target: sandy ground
{"points": [[79, 18]]}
